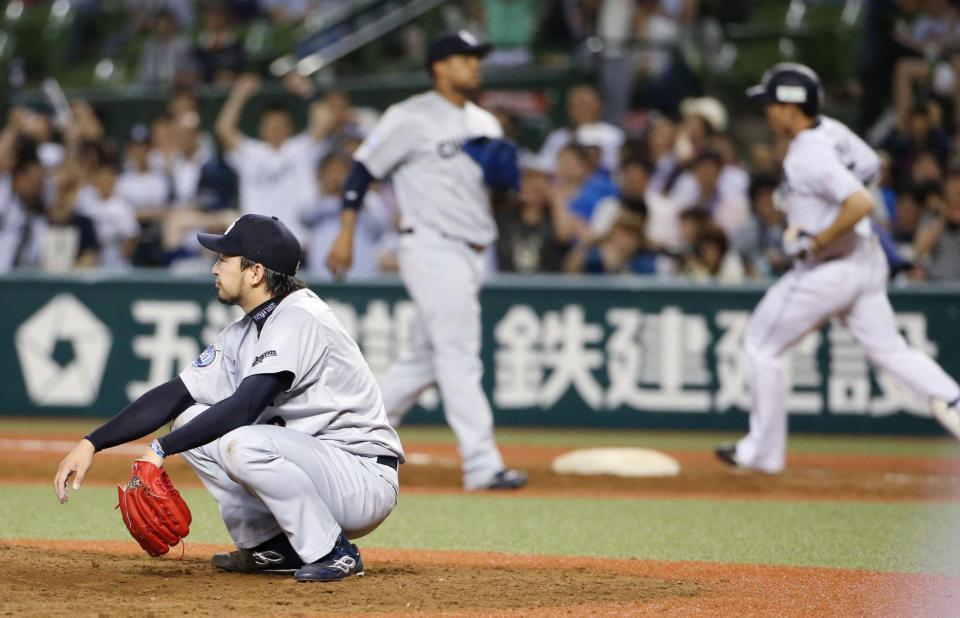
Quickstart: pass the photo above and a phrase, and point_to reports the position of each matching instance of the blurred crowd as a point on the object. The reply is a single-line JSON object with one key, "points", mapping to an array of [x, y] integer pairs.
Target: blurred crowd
{"points": [[674, 195]]}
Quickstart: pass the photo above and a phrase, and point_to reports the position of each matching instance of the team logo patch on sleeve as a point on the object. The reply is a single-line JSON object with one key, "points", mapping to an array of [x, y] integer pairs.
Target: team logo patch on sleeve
{"points": [[206, 358], [259, 359]]}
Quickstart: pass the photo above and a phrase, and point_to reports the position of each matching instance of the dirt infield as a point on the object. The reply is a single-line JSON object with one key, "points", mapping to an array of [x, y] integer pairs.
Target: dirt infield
{"points": [[43, 577], [73, 578], [814, 477]]}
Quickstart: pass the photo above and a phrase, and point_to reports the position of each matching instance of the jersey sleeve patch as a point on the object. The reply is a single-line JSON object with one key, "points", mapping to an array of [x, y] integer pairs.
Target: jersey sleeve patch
{"points": [[206, 358]]}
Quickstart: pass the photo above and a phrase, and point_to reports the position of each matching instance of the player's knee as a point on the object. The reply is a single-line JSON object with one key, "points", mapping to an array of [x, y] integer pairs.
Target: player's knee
{"points": [[241, 449], [758, 350], [189, 414]]}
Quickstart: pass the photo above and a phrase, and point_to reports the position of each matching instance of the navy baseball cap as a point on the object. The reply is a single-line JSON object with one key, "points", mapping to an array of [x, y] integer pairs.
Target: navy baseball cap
{"points": [[265, 240], [453, 43], [789, 82]]}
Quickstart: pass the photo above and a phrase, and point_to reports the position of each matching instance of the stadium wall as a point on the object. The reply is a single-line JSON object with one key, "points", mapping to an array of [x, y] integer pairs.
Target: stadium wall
{"points": [[558, 351]]}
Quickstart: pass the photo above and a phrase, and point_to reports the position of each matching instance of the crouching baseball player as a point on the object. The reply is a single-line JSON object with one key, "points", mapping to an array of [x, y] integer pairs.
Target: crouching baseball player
{"points": [[281, 418]]}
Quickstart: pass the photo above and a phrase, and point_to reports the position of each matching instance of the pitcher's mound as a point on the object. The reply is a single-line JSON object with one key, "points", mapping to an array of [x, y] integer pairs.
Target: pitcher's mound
{"points": [[630, 462]]}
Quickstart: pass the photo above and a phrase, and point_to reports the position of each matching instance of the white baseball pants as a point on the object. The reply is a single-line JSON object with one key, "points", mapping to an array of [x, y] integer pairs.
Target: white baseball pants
{"points": [[269, 479], [443, 277], [852, 289]]}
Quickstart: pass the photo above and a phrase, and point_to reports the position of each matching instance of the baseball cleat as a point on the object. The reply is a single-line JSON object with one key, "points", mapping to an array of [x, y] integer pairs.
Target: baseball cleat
{"points": [[508, 479], [275, 555], [727, 453], [948, 414], [249, 561], [342, 562]]}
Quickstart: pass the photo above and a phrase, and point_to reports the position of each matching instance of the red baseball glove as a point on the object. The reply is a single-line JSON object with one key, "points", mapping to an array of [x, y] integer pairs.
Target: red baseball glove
{"points": [[152, 509]]}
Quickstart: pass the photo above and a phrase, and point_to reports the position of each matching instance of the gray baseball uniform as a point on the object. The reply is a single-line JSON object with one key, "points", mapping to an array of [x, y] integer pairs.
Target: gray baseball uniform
{"points": [[308, 465], [445, 222]]}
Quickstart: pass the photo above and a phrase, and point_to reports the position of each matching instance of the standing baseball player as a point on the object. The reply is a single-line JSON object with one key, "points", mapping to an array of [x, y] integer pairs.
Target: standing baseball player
{"points": [[281, 418], [444, 156], [839, 270]]}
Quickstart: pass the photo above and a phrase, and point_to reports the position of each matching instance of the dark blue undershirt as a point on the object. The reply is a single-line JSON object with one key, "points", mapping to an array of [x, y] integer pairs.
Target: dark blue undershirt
{"points": [[164, 403]]}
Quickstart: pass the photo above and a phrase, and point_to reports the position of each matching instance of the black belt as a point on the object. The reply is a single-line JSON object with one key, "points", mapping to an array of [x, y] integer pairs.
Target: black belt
{"points": [[476, 247], [390, 462]]}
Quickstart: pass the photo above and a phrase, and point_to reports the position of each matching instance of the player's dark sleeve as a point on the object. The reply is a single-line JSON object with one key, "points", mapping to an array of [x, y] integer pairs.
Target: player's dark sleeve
{"points": [[499, 161], [254, 394], [148, 413], [356, 185]]}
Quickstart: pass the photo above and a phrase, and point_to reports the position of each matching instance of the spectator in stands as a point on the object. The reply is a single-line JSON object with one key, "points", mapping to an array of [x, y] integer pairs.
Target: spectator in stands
{"points": [[536, 234], [583, 109], [571, 172], [148, 190], [113, 218], [925, 168], [703, 118], [633, 181], [700, 188], [935, 40], [166, 54], [912, 203], [661, 138], [21, 208], [180, 11], [758, 241], [140, 185], [194, 157], [375, 223], [624, 250], [598, 184], [919, 135], [69, 239], [937, 245], [277, 172], [218, 52], [711, 258], [285, 12]]}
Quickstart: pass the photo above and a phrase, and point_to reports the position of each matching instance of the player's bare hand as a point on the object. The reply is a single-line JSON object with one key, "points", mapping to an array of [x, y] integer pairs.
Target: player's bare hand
{"points": [[341, 255], [75, 464]]}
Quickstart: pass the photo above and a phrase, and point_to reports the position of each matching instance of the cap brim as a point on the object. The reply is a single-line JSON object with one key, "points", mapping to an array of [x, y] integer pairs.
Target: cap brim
{"points": [[217, 243], [483, 50], [757, 93]]}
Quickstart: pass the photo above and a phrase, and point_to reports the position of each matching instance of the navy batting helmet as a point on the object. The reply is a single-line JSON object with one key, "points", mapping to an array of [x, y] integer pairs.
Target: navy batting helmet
{"points": [[789, 82]]}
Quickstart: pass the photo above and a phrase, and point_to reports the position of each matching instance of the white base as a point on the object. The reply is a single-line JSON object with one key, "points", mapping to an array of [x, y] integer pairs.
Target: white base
{"points": [[626, 462]]}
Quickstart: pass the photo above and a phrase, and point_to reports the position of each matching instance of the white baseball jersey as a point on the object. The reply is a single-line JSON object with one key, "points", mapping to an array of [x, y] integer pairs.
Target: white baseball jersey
{"points": [[825, 165], [333, 396], [818, 181], [418, 144], [279, 183], [854, 153]]}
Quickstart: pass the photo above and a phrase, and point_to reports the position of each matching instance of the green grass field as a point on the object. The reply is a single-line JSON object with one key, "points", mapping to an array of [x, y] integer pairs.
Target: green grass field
{"points": [[902, 536]]}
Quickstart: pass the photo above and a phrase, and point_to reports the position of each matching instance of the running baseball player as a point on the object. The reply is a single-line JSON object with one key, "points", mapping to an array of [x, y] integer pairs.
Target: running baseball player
{"points": [[839, 270], [444, 156], [281, 418]]}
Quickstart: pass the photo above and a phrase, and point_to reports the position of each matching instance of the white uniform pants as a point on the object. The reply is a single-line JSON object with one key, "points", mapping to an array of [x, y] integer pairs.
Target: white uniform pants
{"points": [[443, 277], [852, 289], [270, 479]]}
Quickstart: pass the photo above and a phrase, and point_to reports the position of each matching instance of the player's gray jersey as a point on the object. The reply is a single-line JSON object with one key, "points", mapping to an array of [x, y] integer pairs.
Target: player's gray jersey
{"points": [[418, 144], [333, 396], [817, 181]]}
